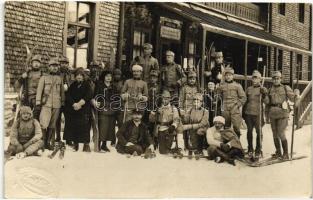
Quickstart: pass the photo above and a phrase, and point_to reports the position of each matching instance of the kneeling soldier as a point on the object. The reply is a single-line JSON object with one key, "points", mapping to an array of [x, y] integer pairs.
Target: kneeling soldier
{"points": [[195, 122], [25, 138], [224, 143], [133, 137], [167, 122]]}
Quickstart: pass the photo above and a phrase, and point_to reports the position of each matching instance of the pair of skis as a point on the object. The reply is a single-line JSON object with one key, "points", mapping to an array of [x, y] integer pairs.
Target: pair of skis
{"points": [[59, 146], [268, 161]]}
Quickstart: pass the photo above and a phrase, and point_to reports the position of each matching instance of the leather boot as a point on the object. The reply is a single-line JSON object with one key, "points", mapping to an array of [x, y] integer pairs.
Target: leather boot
{"points": [[86, 148], [285, 149], [50, 138], [278, 150]]}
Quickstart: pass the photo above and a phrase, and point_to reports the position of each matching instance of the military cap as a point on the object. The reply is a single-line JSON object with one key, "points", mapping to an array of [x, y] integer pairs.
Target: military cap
{"points": [[136, 68], [169, 53], [276, 74], [147, 46], [198, 96], [218, 54], [36, 57], [54, 61], [64, 59], [229, 70], [219, 119], [154, 73], [192, 74], [165, 94], [256, 73], [137, 111], [25, 109], [117, 71]]}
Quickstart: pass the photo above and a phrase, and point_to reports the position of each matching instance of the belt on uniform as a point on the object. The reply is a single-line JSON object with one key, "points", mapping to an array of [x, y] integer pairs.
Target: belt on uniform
{"points": [[276, 105]]}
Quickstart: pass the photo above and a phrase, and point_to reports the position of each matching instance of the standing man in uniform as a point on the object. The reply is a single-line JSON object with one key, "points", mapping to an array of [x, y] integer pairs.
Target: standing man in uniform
{"points": [[134, 93], [172, 76], [252, 113], [148, 62], [29, 80], [278, 96], [216, 73], [188, 91], [50, 95], [233, 98]]}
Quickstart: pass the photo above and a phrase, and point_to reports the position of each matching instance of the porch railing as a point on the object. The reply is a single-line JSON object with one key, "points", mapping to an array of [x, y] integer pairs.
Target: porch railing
{"points": [[305, 105]]}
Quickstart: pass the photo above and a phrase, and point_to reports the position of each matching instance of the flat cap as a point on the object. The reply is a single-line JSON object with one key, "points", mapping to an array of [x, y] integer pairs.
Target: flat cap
{"points": [[36, 57], [147, 46], [154, 73], [54, 61], [229, 70], [169, 53], [276, 74]]}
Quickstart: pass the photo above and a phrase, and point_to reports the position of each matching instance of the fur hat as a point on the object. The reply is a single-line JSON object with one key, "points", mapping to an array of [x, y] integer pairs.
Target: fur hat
{"points": [[136, 68], [26, 109], [219, 119]]}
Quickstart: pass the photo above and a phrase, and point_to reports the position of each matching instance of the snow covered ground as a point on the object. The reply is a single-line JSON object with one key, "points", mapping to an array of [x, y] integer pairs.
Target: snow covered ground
{"points": [[110, 175]]}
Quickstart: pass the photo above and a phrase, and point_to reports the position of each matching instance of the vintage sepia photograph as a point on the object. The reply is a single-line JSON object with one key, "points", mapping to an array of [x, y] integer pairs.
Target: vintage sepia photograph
{"points": [[113, 99]]}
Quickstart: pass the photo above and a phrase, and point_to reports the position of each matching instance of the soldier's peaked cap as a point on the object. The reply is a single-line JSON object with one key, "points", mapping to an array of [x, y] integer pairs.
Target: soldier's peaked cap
{"points": [[36, 57], [192, 74], [256, 73], [94, 63], [54, 61], [154, 73], [166, 93], [25, 109], [147, 46], [229, 70], [169, 53], [219, 119], [137, 111], [276, 74]]}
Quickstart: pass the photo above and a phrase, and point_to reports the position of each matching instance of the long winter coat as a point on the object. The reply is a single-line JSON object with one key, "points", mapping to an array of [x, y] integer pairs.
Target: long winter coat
{"points": [[77, 122]]}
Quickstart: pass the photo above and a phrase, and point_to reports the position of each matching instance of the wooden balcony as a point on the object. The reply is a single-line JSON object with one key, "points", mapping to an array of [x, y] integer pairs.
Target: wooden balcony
{"points": [[247, 11]]}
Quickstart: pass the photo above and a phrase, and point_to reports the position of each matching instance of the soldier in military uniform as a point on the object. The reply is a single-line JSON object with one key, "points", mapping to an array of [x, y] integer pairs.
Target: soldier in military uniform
{"points": [[172, 76], [233, 98], [252, 112], [195, 122], [66, 76], [148, 62], [134, 93], [216, 73], [30, 80], [167, 125], [50, 95], [278, 96], [187, 92]]}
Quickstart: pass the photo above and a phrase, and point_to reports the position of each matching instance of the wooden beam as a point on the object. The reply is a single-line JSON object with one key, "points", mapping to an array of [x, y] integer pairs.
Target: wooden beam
{"points": [[203, 57], [246, 64], [121, 35]]}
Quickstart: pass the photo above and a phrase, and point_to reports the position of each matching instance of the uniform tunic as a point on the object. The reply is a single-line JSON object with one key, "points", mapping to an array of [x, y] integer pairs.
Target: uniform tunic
{"points": [[186, 96], [148, 63], [171, 74]]}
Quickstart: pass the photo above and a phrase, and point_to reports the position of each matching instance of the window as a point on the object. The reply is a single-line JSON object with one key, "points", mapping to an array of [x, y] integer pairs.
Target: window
{"points": [[140, 37], [191, 53], [282, 8], [299, 67], [280, 61], [310, 68], [301, 12], [78, 34]]}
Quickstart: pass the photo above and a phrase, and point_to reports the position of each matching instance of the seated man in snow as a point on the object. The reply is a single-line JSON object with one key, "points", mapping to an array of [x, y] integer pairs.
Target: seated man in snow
{"points": [[224, 144], [26, 135], [133, 136]]}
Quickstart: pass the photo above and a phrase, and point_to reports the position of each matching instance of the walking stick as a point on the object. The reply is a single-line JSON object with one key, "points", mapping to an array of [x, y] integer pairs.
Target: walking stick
{"points": [[125, 110], [261, 113], [294, 116]]}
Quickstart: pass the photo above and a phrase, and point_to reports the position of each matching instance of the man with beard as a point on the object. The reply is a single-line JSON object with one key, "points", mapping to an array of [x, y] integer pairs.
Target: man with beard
{"points": [[29, 80], [133, 137], [50, 95], [25, 137], [224, 145]]}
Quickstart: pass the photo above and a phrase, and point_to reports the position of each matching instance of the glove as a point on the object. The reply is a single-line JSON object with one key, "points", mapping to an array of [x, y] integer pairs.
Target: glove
{"points": [[65, 87], [171, 129], [263, 90], [24, 75], [225, 147]]}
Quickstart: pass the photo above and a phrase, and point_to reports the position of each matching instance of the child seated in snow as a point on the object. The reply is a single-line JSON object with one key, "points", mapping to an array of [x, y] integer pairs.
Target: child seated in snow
{"points": [[26, 135], [133, 136]]}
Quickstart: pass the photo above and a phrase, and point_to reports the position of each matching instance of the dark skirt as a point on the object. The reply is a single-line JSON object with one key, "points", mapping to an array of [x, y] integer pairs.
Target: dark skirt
{"points": [[106, 125], [77, 128]]}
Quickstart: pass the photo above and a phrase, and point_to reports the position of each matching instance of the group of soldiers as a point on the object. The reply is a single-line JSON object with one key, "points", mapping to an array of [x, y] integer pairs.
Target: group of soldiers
{"points": [[161, 108]]}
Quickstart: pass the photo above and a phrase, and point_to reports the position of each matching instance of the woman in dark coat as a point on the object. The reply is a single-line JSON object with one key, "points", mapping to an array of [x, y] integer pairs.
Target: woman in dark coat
{"points": [[105, 94], [77, 108]]}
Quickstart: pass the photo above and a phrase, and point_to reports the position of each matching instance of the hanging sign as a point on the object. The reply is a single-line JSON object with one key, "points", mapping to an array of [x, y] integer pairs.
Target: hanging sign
{"points": [[170, 28]]}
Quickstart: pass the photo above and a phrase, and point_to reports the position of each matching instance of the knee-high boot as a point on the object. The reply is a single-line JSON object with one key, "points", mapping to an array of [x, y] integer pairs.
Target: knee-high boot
{"points": [[284, 144], [278, 149]]}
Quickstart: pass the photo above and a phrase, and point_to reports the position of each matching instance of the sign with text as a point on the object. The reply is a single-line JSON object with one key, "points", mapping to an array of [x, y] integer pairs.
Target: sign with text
{"points": [[170, 28]]}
